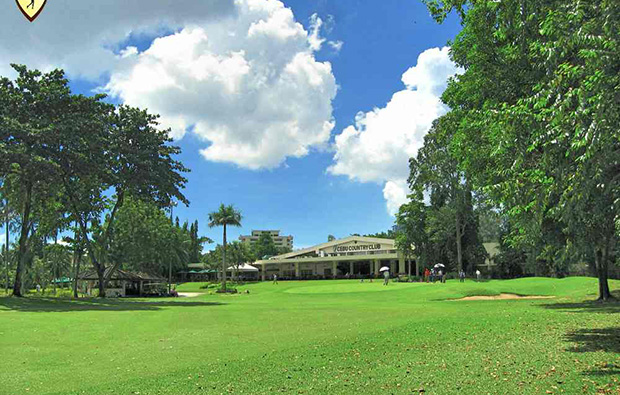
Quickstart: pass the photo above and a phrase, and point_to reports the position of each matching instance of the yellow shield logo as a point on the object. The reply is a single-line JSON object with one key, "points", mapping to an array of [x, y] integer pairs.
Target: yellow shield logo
{"points": [[31, 8]]}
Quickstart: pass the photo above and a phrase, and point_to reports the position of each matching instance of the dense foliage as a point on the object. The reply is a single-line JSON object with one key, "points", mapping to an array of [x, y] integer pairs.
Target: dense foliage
{"points": [[67, 158], [534, 125]]}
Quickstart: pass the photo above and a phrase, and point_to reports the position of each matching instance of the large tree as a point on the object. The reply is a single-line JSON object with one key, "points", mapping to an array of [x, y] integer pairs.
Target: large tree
{"points": [[79, 157], [121, 150], [30, 108], [435, 170], [411, 238], [538, 115], [225, 216]]}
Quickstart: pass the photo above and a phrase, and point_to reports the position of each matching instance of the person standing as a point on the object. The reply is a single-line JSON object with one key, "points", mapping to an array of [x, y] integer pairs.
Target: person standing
{"points": [[478, 275], [440, 275], [427, 274], [462, 276], [386, 277], [275, 278]]}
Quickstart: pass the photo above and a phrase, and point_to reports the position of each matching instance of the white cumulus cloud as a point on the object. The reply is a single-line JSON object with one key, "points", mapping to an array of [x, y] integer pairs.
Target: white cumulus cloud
{"points": [[395, 194], [249, 85], [378, 146], [241, 74]]}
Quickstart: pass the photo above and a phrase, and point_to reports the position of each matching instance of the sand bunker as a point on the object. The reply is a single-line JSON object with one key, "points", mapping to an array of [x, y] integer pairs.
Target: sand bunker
{"points": [[505, 296], [189, 294]]}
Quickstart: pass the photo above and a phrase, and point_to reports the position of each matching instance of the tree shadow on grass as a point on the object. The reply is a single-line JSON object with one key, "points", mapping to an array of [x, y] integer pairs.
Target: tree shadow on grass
{"points": [[593, 340], [90, 304], [610, 307]]}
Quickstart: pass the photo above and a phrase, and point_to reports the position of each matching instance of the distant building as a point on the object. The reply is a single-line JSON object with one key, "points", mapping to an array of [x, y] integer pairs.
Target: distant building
{"points": [[279, 241], [492, 250]]}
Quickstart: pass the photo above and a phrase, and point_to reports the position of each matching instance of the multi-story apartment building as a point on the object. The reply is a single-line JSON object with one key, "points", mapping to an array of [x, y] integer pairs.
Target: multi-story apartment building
{"points": [[279, 241]]}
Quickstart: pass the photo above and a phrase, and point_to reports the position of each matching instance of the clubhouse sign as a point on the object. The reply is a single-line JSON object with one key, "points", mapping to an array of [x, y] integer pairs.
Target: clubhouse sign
{"points": [[357, 247]]}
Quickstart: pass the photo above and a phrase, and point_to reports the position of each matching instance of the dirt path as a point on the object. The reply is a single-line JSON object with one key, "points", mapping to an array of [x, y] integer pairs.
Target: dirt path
{"points": [[505, 297]]}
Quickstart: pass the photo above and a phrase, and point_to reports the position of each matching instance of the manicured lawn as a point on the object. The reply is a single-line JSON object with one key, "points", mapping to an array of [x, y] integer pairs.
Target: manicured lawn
{"points": [[318, 337]]}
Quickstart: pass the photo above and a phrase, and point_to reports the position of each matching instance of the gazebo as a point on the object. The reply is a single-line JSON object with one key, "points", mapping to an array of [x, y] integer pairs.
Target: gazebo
{"points": [[245, 270], [125, 283]]}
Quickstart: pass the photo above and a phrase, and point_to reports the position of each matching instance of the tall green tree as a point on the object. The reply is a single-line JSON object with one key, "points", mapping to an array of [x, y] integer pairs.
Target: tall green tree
{"points": [[225, 216], [264, 246], [30, 108], [138, 160], [239, 253], [196, 246], [436, 170], [538, 115], [412, 239]]}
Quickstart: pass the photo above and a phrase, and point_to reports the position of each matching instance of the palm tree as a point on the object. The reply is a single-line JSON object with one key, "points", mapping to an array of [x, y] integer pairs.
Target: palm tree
{"points": [[226, 215]]}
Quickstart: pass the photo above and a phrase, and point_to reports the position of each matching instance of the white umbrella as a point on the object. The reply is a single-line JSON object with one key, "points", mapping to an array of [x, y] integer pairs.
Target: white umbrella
{"points": [[439, 265], [384, 269]]}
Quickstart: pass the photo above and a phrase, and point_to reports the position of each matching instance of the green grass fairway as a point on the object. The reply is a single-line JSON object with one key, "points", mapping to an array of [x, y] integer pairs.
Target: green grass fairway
{"points": [[325, 337]]}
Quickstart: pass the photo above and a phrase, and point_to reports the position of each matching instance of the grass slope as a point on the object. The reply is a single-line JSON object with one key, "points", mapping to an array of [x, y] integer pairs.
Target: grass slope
{"points": [[318, 337]]}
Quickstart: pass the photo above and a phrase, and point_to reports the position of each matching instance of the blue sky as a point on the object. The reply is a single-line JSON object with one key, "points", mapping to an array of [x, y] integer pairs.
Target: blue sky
{"points": [[297, 194]]}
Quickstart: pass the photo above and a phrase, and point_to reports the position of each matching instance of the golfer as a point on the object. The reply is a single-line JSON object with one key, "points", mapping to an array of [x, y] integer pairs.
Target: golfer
{"points": [[478, 275], [275, 278], [386, 277], [462, 276]]}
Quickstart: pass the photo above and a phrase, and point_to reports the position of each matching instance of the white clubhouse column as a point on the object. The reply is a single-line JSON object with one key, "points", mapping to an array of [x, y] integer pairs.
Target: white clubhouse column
{"points": [[296, 269], [334, 269]]}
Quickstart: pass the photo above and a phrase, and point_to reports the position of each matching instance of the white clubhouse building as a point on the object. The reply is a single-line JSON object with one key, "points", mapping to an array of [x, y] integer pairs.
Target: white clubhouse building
{"points": [[355, 256]]}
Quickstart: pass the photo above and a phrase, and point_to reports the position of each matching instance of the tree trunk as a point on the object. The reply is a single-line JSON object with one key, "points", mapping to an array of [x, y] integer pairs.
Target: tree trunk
{"points": [[23, 242], [100, 267], [78, 260], [224, 262], [93, 259], [601, 256], [101, 276], [7, 260], [459, 243], [169, 276]]}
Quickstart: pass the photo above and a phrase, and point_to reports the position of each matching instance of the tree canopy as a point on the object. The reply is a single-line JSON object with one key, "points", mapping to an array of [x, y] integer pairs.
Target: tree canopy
{"points": [[535, 120], [72, 158]]}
